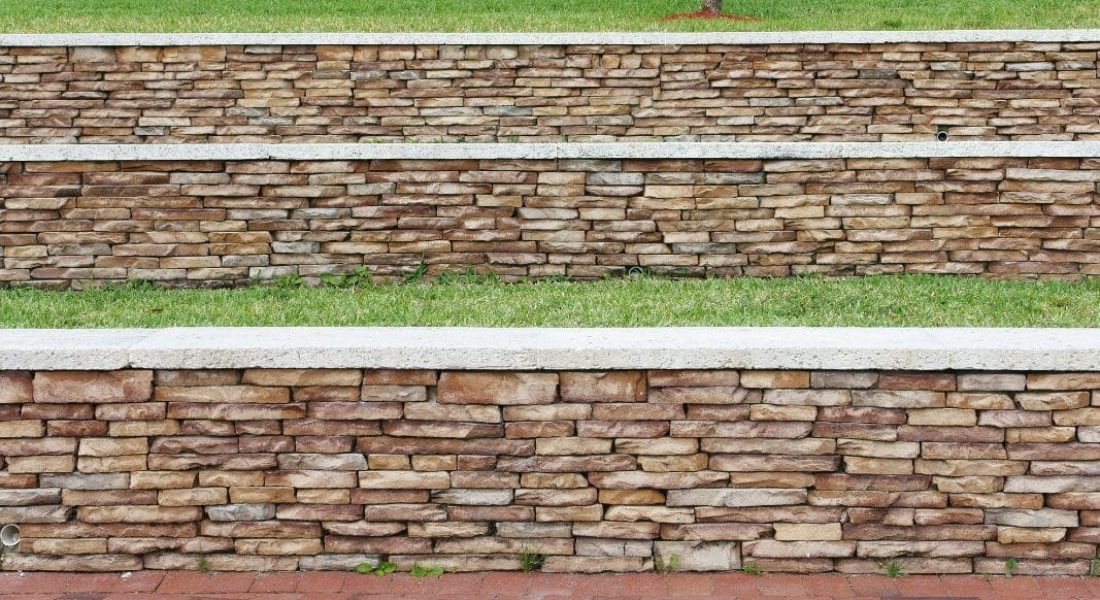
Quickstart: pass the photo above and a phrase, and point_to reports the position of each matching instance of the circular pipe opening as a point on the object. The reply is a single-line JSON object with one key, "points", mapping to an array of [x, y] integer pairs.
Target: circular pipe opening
{"points": [[941, 136], [9, 536]]}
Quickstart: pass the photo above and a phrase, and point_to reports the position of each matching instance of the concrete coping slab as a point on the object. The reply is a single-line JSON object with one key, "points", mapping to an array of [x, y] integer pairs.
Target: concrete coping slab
{"points": [[730, 38], [554, 349], [546, 151]]}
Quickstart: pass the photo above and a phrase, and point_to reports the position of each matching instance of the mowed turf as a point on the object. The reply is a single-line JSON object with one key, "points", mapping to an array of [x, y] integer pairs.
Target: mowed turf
{"points": [[39, 16], [873, 302]]}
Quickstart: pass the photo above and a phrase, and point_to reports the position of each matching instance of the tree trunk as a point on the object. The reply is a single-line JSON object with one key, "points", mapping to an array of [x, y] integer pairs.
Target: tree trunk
{"points": [[712, 7]]}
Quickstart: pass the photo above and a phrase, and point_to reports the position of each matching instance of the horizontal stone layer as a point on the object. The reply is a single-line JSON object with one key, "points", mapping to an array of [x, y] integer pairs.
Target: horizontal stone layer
{"points": [[567, 87], [69, 224], [621, 470], [981, 349]]}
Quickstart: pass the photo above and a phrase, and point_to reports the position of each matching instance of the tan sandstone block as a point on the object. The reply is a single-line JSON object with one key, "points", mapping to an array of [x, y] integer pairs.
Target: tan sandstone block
{"points": [[113, 447], [807, 531], [22, 429]]}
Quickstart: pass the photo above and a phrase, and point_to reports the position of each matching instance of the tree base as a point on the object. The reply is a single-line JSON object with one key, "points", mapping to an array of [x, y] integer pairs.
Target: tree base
{"points": [[704, 15]]}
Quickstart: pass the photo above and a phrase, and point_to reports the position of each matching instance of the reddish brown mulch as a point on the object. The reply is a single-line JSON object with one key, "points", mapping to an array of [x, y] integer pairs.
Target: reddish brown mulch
{"points": [[703, 15]]}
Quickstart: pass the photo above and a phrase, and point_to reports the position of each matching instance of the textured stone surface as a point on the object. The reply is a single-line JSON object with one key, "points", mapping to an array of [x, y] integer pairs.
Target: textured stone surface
{"points": [[608, 470], [855, 85], [259, 220]]}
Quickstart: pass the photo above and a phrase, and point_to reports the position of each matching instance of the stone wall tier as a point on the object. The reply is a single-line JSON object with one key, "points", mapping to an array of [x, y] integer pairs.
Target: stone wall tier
{"points": [[191, 215], [627, 469], [792, 86]]}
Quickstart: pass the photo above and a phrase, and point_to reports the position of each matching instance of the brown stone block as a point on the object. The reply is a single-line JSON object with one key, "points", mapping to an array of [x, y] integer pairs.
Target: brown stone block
{"points": [[751, 462], [693, 378], [775, 379], [886, 482], [147, 545], [318, 512], [739, 429], [94, 563], [92, 386], [980, 401], [302, 377], [138, 514], [639, 411], [224, 461], [918, 499], [538, 429], [955, 417], [631, 497], [855, 431], [223, 394], [1063, 381], [207, 377], [476, 447], [632, 480], [861, 414], [721, 412], [113, 446], [499, 545], [567, 464], [22, 429], [497, 388], [442, 429], [898, 398], [37, 446], [499, 514], [41, 464], [394, 377], [192, 497], [615, 386], [388, 545], [314, 479], [15, 387], [801, 549], [911, 433], [261, 495], [142, 411], [431, 411]]}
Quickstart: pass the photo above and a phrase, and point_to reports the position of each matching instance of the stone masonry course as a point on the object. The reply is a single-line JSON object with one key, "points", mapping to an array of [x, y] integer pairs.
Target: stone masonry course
{"points": [[435, 92], [322, 469], [231, 222]]}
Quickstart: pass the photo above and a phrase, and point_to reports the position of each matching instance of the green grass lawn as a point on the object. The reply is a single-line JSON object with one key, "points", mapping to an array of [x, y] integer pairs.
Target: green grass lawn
{"points": [[876, 301], [41, 16]]}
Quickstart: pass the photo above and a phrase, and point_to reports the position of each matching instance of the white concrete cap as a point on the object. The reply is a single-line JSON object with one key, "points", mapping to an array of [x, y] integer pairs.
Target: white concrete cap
{"points": [[551, 39], [555, 349], [56, 349], [569, 150]]}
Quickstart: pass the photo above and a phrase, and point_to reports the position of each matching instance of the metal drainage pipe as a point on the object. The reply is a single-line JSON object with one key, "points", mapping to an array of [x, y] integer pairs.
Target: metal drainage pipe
{"points": [[9, 536]]}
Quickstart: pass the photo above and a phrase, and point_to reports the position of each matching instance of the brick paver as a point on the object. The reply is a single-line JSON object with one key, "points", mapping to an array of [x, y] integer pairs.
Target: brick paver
{"points": [[151, 585]]}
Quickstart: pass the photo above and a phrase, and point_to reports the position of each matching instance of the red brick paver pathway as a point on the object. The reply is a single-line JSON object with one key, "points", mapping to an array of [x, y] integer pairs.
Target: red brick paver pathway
{"points": [[506, 586]]}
